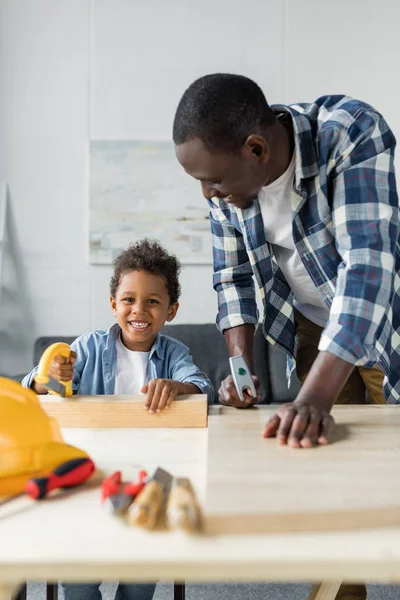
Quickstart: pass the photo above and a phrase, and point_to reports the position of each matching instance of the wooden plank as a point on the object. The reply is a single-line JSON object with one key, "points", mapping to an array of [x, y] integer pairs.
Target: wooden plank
{"points": [[125, 411], [303, 522], [327, 590]]}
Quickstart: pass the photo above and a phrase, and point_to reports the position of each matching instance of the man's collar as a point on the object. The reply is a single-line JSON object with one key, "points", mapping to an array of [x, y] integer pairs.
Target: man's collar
{"points": [[306, 157], [304, 148]]}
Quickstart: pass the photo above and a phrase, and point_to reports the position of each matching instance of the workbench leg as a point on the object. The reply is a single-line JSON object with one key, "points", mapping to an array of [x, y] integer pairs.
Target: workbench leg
{"points": [[179, 591], [327, 590], [51, 591], [22, 592], [8, 591]]}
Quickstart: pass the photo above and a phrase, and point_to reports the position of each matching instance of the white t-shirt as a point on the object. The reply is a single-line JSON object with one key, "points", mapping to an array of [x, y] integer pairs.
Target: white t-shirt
{"points": [[275, 202], [131, 369]]}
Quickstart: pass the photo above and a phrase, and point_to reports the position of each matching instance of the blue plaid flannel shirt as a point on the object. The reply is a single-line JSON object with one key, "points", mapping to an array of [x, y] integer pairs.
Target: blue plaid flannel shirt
{"points": [[346, 230]]}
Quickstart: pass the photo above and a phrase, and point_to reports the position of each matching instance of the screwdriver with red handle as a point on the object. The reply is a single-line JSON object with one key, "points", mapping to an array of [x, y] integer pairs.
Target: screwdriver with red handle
{"points": [[67, 475]]}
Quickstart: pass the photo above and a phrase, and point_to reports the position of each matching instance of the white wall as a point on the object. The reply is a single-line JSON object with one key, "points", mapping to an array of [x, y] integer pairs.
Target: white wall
{"points": [[346, 47], [74, 69]]}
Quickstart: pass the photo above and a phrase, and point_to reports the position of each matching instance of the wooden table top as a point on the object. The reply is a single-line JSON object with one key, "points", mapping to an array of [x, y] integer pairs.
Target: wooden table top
{"points": [[272, 513]]}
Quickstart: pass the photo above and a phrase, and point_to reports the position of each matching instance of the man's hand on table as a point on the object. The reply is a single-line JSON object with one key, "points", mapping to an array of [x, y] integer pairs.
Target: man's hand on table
{"points": [[228, 396], [300, 424], [307, 421]]}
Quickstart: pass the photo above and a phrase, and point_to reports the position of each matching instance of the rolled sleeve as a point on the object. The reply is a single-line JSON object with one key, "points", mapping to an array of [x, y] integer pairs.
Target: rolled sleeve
{"points": [[201, 381], [184, 370], [28, 380]]}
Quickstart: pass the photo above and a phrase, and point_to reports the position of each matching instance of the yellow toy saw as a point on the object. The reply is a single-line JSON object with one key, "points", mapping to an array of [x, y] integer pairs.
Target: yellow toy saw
{"points": [[57, 388], [31, 444]]}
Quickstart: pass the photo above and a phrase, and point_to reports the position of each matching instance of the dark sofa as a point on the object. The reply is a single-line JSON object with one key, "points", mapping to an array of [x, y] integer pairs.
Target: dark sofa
{"points": [[209, 352]]}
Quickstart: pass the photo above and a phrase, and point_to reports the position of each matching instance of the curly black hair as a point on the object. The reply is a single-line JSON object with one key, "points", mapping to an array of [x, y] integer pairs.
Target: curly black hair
{"points": [[148, 255], [222, 110]]}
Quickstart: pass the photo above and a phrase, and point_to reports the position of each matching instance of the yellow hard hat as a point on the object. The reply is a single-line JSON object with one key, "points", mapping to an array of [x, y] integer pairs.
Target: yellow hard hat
{"points": [[31, 444]]}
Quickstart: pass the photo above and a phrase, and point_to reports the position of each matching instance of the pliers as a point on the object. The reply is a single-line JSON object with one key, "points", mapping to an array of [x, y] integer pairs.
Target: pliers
{"points": [[117, 495]]}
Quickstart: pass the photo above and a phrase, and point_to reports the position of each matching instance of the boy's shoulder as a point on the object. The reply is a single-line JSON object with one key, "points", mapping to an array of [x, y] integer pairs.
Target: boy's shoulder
{"points": [[96, 336], [170, 345]]}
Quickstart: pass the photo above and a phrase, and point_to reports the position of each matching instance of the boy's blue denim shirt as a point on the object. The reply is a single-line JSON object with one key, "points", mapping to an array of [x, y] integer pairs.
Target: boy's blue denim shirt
{"points": [[94, 369]]}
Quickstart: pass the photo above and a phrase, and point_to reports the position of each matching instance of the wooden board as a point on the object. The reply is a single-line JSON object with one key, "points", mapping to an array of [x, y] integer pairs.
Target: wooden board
{"points": [[125, 411], [259, 486]]}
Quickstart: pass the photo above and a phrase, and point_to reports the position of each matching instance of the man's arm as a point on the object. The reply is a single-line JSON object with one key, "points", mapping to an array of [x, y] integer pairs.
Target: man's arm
{"points": [[237, 308], [233, 274], [307, 420], [240, 340], [365, 219], [326, 368]]}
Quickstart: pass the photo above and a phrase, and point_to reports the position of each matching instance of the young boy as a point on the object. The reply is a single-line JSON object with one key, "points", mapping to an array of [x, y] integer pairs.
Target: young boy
{"points": [[132, 356]]}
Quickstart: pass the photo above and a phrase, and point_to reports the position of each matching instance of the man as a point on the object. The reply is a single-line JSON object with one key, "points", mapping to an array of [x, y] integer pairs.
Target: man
{"points": [[304, 198]]}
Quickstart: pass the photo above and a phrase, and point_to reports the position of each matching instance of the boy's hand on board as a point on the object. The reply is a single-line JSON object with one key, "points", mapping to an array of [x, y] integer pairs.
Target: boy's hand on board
{"points": [[160, 393]]}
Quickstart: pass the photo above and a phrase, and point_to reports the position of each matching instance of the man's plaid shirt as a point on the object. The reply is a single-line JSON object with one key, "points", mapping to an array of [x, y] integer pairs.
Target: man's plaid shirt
{"points": [[346, 230]]}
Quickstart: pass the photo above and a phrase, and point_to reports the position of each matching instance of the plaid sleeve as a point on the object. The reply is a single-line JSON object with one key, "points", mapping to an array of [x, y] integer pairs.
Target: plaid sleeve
{"points": [[365, 217], [233, 274]]}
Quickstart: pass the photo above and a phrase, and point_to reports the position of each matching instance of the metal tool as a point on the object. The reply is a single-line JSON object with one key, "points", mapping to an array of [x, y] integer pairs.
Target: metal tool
{"points": [[183, 510], [118, 496], [241, 376], [145, 509], [57, 388]]}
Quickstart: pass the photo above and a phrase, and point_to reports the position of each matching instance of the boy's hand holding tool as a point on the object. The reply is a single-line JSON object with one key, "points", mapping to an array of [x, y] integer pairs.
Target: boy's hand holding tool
{"points": [[56, 371]]}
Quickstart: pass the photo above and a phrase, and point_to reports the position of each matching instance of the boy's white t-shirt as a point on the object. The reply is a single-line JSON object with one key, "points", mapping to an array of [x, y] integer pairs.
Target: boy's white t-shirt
{"points": [[276, 210], [131, 369]]}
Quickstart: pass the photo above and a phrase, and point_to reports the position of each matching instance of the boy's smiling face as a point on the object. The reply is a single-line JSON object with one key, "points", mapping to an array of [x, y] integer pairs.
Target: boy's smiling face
{"points": [[141, 307]]}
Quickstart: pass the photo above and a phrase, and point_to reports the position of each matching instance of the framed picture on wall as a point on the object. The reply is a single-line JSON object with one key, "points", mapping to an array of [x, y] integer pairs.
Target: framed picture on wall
{"points": [[138, 189]]}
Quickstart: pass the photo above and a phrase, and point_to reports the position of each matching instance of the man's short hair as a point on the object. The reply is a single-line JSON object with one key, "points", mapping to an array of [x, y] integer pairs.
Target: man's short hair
{"points": [[222, 110]]}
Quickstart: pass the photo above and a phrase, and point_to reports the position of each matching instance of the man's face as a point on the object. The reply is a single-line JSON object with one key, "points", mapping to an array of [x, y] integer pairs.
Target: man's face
{"points": [[235, 177]]}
